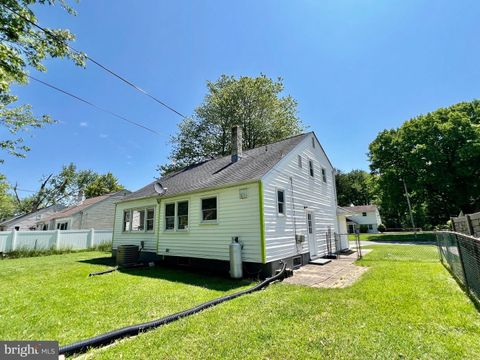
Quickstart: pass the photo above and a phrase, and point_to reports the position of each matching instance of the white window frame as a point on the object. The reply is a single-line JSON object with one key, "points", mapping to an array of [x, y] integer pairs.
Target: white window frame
{"points": [[174, 216], [213, 221], [58, 226], [177, 218], [311, 168], [130, 211], [175, 221], [324, 175], [278, 202]]}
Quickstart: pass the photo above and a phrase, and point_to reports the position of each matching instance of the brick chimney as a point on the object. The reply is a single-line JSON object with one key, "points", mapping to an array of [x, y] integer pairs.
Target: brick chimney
{"points": [[237, 139]]}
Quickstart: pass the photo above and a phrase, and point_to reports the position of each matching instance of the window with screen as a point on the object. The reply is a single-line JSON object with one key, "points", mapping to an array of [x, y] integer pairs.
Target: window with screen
{"points": [[150, 220], [169, 216], [138, 220], [324, 175], [310, 165], [209, 209], [126, 220], [281, 201], [182, 215]]}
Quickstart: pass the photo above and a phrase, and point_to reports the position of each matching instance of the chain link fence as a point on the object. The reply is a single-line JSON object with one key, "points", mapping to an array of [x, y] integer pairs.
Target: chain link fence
{"points": [[461, 254]]}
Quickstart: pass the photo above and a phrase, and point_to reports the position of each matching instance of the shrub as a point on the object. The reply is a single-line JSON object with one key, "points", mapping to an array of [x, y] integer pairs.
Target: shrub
{"points": [[364, 228], [381, 228]]}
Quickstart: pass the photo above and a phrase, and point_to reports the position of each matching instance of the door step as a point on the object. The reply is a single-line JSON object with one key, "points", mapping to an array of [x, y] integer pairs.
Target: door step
{"points": [[320, 261]]}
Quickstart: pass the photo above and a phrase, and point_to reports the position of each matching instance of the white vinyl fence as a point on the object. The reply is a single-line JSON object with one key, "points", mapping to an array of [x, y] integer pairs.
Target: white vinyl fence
{"points": [[53, 239]]}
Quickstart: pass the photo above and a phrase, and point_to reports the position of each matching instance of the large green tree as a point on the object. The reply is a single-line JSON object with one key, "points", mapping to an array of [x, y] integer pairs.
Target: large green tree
{"points": [[255, 103], [64, 188], [356, 187], [103, 184], [24, 47], [437, 158], [7, 206]]}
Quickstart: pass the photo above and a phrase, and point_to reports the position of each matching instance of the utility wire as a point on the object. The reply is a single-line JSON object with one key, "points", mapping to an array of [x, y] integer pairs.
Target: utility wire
{"points": [[95, 106], [111, 72]]}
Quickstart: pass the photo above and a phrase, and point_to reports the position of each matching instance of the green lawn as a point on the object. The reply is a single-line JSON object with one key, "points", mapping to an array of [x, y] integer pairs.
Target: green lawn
{"points": [[406, 236], [406, 306]]}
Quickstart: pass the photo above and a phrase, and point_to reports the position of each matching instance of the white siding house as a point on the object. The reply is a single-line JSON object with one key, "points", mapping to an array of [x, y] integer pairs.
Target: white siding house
{"points": [[92, 213], [29, 221], [367, 215], [268, 197]]}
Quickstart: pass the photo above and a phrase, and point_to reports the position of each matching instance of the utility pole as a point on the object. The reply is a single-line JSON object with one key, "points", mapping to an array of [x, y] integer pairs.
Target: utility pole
{"points": [[408, 202]]}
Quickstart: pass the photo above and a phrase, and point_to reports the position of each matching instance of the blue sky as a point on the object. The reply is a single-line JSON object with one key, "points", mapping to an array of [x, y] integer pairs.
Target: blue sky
{"points": [[355, 68]]}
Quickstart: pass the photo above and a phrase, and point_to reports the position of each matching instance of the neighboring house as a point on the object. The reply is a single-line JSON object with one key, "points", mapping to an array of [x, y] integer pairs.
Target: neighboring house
{"points": [[93, 213], [363, 215], [342, 214], [29, 221], [264, 196]]}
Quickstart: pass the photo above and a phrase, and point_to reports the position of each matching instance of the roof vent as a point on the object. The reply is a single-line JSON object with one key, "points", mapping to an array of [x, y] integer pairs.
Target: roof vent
{"points": [[237, 139]]}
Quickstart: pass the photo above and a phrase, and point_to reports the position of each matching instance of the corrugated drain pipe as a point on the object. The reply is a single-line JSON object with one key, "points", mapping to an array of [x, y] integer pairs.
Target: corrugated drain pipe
{"points": [[104, 339]]}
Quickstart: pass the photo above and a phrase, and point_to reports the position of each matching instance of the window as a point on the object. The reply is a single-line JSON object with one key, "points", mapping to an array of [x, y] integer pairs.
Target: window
{"points": [[313, 142], [243, 193], [310, 165], [310, 223], [150, 220], [45, 227], [300, 161], [182, 214], [281, 201], [370, 227], [138, 220], [209, 209], [324, 175], [62, 226], [169, 216], [364, 214]]}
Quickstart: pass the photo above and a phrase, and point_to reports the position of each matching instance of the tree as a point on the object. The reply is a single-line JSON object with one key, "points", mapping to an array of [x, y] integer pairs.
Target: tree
{"points": [[7, 207], [23, 45], [103, 184], [436, 156], [65, 187], [254, 103], [355, 187]]}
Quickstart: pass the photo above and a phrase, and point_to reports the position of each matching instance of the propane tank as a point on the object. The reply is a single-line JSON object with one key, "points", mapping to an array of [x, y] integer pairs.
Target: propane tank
{"points": [[236, 271]]}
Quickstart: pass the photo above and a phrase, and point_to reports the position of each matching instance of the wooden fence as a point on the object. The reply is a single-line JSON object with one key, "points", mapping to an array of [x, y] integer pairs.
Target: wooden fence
{"points": [[54, 239], [468, 224]]}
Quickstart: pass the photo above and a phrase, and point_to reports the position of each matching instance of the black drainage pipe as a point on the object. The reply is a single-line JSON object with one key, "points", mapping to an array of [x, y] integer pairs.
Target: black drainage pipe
{"points": [[107, 338], [104, 271]]}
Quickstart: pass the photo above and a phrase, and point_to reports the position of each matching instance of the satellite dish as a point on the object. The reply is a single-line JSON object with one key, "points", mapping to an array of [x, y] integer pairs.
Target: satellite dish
{"points": [[159, 188]]}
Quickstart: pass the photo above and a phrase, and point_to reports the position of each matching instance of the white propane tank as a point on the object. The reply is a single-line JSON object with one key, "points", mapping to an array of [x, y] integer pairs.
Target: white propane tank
{"points": [[236, 271]]}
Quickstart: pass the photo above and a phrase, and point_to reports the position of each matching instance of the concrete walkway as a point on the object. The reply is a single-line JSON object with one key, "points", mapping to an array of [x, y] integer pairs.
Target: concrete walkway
{"points": [[338, 273]]}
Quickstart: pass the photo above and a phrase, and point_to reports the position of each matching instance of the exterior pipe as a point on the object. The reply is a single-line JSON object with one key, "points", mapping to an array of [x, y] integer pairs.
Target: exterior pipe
{"points": [[107, 338]]}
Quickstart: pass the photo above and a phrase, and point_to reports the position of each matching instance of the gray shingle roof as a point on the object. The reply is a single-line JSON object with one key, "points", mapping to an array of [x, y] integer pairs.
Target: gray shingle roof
{"points": [[221, 171]]}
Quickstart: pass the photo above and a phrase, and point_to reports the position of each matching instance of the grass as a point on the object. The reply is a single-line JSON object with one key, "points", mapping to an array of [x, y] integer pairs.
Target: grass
{"points": [[27, 252], [397, 237], [406, 306]]}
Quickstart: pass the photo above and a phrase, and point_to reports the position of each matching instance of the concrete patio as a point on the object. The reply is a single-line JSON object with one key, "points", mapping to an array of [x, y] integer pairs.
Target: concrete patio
{"points": [[338, 273]]}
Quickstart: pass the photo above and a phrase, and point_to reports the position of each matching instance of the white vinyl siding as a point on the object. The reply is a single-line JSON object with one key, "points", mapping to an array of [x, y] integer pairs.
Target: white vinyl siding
{"points": [[307, 194], [121, 237], [210, 239]]}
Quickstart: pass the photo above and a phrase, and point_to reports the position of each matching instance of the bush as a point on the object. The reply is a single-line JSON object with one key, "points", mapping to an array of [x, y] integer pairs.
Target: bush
{"points": [[381, 228], [364, 228]]}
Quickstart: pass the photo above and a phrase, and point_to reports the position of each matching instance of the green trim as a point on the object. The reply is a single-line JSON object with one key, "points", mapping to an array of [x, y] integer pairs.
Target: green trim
{"points": [[262, 222]]}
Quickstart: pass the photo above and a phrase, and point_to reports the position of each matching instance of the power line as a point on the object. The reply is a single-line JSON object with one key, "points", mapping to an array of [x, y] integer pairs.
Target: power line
{"points": [[94, 106], [111, 72]]}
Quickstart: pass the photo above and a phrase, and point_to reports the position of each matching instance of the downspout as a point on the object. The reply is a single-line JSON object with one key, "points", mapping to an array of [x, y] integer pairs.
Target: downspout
{"points": [[294, 216], [262, 222]]}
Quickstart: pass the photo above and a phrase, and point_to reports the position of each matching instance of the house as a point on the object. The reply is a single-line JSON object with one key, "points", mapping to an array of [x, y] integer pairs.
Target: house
{"points": [[367, 215], [267, 197], [29, 221], [92, 213]]}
